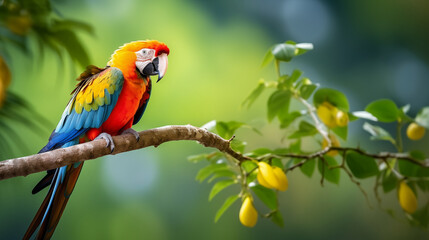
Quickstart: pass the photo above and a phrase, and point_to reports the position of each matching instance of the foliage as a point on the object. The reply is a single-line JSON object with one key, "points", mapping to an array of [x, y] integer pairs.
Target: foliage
{"points": [[320, 122], [22, 22]]}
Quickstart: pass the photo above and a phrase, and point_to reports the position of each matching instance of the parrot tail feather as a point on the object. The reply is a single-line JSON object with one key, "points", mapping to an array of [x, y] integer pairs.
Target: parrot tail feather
{"points": [[46, 181], [49, 213]]}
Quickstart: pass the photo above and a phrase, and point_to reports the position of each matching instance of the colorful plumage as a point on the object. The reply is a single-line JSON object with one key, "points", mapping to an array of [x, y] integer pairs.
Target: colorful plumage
{"points": [[106, 102]]}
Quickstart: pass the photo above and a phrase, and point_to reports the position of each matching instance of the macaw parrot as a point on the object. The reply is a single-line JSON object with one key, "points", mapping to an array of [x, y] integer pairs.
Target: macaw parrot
{"points": [[106, 102]]}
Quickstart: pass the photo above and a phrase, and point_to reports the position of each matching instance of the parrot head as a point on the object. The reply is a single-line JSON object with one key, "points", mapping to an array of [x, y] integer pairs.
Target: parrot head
{"points": [[148, 57]]}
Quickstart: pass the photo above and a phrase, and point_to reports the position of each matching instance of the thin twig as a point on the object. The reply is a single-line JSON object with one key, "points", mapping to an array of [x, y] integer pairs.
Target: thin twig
{"points": [[318, 124], [322, 158], [357, 184], [381, 155]]}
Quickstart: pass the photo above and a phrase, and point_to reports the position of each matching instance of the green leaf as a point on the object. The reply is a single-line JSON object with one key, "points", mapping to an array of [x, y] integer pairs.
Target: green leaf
{"points": [[249, 165], [228, 202], [267, 196], [341, 132], [418, 155], [73, 46], [308, 167], [289, 80], [222, 129], [284, 51], [378, 133], [222, 173], [209, 170], [422, 117], [255, 94], [303, 48], [72, 25], [331, 175], [389, 182], [227, 129], [406, 108], [197, 158], [295, 147], [385, 110], [219, 186], [364, 115], [403, 114], [238, 145], [307, 89], [268, 58], [305, 129], [251, 177], [210, 126], [260, 152], [287, 119], [332, 96], [277, 162], [216, 157], [281, 151], [278, 104], [277, 218], [361, 166], [410, 169]]}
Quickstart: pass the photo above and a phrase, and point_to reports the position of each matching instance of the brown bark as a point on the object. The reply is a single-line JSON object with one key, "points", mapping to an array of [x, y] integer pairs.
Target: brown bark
{"points": [[154, 137]]}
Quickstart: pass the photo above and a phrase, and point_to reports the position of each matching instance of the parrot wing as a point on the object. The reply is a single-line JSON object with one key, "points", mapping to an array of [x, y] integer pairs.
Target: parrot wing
{"points": [[91, 104]]}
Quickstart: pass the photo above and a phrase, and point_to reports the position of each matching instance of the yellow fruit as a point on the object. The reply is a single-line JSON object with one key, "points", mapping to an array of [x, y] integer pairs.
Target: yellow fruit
{"points": [[281, 177], [262, 181], [4, 79], [407, 198], [342, 119], [415, 131], [266, 172], [248, 214], [327, 113], [334, 143], [19, 25]]}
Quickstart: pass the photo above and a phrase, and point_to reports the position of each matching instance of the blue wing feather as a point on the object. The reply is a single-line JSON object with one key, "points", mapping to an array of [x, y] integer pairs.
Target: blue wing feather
{"points": [[99, 119], [74, 124]]}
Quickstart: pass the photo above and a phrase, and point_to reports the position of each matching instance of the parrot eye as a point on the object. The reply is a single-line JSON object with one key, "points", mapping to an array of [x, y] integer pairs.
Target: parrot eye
{"points": [[147, 53]]}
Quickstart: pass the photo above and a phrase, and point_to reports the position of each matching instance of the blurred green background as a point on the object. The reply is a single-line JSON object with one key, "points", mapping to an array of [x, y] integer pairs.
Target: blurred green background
{"points": [[367, 49]]}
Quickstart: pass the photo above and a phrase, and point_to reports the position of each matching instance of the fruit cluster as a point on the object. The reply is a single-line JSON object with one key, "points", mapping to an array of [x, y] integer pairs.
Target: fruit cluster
{"points": [[271, 177]]}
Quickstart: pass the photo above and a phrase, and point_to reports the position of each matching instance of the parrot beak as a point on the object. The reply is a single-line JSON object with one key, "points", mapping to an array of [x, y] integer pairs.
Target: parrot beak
{"points": [[162, 65], [158, 66]]}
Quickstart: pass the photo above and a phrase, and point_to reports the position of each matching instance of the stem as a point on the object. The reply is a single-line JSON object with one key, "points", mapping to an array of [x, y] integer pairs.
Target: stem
{"points": [[277, 65], [383, 156], [318, 124], [399, 145]]}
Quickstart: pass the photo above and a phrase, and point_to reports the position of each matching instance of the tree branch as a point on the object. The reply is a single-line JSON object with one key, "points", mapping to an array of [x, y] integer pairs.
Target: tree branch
{"points": [[383, 156], [123, 143]]}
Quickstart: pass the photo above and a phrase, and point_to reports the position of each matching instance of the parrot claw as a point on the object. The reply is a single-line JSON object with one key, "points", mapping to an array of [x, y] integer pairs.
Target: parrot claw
{"points": [[108, 139], [133, 132]]}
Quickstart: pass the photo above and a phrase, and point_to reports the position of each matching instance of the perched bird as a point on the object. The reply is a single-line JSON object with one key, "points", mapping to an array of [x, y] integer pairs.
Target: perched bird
{"points": [[106, 102]]}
